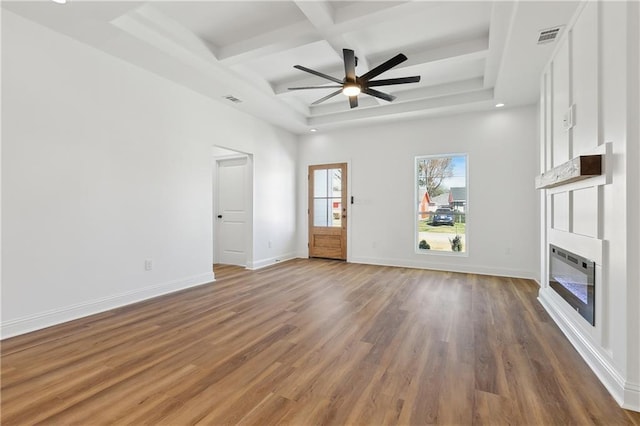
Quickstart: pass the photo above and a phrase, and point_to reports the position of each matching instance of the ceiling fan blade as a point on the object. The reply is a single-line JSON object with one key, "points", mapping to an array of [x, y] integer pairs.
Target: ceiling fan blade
{"points": [[353, 101], [378, 94], [390, 81], [318, 73], [313, 87], [349, 65], [329, 96], [385, 66]]}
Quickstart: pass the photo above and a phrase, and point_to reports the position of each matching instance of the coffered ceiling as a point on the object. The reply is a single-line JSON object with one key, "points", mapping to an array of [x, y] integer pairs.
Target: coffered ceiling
{"points": [[470, 55]]}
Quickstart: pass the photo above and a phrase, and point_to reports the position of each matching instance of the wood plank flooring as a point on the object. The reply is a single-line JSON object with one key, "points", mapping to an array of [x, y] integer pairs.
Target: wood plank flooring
{"points": [[311, 342]]}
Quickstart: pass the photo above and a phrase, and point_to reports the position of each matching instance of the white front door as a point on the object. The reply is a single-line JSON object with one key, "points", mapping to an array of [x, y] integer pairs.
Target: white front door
{"points": [[232, 206]]}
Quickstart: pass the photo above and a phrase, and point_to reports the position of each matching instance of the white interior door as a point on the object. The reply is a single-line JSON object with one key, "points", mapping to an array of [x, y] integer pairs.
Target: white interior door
{"points": [[232, 206]]}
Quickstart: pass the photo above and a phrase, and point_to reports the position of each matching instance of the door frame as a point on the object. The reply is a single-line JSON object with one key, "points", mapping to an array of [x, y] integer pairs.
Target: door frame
{"points": [[349, 203], [216, 158]]}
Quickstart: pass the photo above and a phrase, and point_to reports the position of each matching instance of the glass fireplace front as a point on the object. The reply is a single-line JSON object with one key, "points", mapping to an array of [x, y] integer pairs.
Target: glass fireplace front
{"points": [[573, 278]]}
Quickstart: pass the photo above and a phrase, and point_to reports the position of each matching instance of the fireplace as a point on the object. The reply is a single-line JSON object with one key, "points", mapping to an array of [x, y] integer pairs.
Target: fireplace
{"points": [[573, 278]]}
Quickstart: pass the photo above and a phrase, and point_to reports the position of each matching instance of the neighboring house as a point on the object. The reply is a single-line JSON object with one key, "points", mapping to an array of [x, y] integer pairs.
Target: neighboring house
{"points": [[426, 205], [429, 205], [458, 198], [441, 200]]}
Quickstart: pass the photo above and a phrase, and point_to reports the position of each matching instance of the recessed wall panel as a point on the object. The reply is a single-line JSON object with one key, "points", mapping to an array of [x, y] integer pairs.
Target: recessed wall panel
{"points": [[584, 80], [548, 115], [560, 104], [560, 213], [585, 212]]}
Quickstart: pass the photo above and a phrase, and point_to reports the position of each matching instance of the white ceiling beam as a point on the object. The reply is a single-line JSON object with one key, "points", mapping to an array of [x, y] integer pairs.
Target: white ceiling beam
{"points": [[171, 30], [502, 18], [463, 51], [320, 15], [418, 106], [342, 105], [206, 75], [368, 14], [284, 38], [307, 32], [319, 12], [445, 89], [462, 86]]}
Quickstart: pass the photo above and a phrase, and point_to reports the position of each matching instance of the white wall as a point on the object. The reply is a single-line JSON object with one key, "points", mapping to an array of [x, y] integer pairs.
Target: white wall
{"points": [[599, 216], [105, 165], [502, 217]]}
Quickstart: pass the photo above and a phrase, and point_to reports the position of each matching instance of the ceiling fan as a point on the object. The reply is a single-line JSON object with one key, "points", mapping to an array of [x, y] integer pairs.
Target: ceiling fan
{"points": [[352, 85]]}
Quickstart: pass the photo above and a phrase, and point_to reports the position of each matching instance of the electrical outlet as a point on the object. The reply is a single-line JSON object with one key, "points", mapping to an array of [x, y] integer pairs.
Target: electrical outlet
{"points": [[148, 264], [270, 244]]}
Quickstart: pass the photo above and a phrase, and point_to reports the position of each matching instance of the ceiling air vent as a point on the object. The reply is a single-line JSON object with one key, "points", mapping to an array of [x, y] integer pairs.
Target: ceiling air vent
{"points": [[549, 35], [232, 99]]}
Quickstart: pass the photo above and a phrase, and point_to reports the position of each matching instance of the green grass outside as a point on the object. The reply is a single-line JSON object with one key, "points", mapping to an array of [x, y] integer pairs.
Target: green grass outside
{"points": [[458, 228]]}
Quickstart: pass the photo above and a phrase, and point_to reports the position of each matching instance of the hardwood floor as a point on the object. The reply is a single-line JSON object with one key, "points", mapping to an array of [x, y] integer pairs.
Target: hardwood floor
{"points": [[311, 342]]}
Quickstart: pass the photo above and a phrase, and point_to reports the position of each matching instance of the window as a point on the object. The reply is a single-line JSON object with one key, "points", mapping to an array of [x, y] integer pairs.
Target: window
{"points": [[441, 192], [327, 197]]}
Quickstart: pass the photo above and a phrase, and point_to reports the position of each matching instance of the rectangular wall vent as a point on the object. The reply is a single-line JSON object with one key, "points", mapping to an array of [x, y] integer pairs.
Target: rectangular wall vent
{"points": [[232, 99], [548, 35]]}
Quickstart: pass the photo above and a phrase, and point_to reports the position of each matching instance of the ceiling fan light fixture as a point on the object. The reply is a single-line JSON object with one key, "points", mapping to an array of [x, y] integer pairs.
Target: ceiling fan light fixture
{"points": [[351, 89]]}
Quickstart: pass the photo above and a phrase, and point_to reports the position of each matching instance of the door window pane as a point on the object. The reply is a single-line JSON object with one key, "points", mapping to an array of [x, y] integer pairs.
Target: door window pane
{"points": [[320, 183], [320, 212], [336, 182], [336, 212], [327, 197]]}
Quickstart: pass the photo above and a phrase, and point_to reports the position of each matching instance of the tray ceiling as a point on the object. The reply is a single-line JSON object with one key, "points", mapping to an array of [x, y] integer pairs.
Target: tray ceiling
{"points": [[470, 55]]}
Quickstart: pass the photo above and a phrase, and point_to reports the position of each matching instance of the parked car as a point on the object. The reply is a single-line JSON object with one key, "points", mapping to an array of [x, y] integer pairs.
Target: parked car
{"points": [[443, 216]]}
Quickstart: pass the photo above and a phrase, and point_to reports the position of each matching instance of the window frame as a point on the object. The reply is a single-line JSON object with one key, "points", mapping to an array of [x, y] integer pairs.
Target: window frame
{"points": [[416, 212]]}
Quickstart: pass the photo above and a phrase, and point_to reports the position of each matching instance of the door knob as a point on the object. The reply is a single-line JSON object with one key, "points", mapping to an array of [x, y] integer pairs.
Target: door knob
{"points": [[219, 216]]}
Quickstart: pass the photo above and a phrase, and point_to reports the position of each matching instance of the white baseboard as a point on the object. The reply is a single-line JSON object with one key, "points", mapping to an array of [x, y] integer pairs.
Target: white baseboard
{"points": [[631, 397], [468, 269], [38, 321], [625, 393], [263, 263]]}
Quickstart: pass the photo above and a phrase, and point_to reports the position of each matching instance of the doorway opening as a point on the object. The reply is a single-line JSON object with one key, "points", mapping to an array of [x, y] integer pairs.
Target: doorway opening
{"points": [[232, 207]]}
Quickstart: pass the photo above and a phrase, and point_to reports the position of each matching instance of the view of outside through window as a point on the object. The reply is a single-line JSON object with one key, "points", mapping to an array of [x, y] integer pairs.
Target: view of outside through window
{"points": [[442, 203], [327, 197]]}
